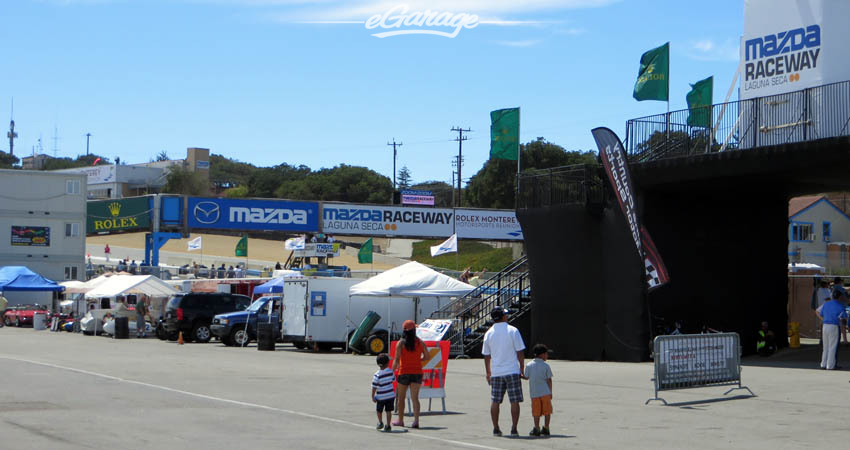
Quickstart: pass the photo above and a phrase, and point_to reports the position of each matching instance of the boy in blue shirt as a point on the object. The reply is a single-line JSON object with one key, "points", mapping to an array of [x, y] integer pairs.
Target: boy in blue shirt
{"points": [[382, 391], [539, 376]]}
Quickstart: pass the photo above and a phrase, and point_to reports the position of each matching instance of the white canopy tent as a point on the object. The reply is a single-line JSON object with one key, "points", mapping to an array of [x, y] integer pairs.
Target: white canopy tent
{"points": [[409, 281], [131, 284]]}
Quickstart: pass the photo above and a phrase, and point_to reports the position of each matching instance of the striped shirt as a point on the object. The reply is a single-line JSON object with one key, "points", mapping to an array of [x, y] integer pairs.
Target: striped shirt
{"points": [[383, 382]]}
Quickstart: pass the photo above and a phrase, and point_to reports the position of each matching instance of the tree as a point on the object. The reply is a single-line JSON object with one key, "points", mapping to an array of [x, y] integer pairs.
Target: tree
{"points": [[182, 181], [443, 192], [494, 186], [162, 156], [68, 163], [226, 173], [342, 183], [8, 160], [404, 178]]}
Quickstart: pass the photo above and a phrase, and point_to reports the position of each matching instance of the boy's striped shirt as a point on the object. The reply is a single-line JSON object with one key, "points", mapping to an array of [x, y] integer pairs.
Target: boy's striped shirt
{"points": [[383, 382]]}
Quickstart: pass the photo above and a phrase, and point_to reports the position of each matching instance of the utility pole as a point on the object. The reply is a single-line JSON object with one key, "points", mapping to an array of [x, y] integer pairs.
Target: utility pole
{"points": [[395, 154], [460, 138], [88, 135], [453, 183]]}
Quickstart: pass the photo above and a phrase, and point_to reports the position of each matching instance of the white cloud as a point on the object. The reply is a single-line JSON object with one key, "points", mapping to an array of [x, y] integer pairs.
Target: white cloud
{"points": [[525, 43], [709, 50]]}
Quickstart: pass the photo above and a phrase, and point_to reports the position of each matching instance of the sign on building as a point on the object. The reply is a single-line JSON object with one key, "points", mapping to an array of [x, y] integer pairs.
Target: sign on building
{"points": [[241, 214], [347, 218], [30, 236], [118, 215], [482, 224]]}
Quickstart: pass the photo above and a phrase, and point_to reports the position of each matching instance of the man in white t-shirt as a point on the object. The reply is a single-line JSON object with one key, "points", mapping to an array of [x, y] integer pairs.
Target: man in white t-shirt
{"points": [[504, 363]]}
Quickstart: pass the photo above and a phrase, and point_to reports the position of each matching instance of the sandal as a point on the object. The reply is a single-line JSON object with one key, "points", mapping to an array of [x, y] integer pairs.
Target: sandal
{"points": [[397, 423], [415, 424]]}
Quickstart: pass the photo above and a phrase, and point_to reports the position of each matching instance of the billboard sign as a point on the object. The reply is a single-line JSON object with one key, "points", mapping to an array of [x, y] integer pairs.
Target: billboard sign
{"points": [[30, 236], [347, 218], [98, 174], [484, 224], [118, 215], [797, 45], [322, 249], [411, 197], [242, 214]]}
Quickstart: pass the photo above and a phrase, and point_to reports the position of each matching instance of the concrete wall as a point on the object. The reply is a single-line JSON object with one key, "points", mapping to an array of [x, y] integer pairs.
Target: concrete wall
{"points": [[40, 199]]}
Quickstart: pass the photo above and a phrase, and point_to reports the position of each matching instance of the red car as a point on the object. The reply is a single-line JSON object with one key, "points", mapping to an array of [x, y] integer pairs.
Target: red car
{"points": [[21, 315]]}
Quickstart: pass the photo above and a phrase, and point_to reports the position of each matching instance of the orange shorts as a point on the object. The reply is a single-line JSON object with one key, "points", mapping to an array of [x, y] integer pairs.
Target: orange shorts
{"points": [[541, 406]]}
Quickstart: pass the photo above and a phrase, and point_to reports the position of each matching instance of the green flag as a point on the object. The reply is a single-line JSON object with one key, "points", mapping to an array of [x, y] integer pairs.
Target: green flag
{"points": [[504, 134], [365, 254], [242, 247], [699, 103], [654, 75]]}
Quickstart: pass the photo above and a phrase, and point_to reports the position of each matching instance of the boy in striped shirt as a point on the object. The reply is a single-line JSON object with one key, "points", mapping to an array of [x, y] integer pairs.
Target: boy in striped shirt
{"points": [[382, 391]]}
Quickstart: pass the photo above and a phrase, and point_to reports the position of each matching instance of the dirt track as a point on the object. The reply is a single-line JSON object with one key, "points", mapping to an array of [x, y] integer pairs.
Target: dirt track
{"points": [[258, 249]]}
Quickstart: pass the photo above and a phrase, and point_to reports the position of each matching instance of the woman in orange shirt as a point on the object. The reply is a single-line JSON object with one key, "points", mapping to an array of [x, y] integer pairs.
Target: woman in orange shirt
{"points": [[409, 354]]}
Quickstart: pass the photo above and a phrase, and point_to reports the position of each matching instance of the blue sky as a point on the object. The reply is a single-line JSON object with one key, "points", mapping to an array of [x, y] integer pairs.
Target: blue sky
{"points": [[268, 81]]}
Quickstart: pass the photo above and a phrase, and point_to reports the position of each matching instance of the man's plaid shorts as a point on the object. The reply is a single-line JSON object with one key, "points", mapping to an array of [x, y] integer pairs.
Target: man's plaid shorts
{"points": [[511, 384]]}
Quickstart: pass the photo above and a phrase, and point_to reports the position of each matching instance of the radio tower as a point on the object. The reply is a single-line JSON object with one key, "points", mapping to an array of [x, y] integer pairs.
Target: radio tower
{"points": [[11, 134]]}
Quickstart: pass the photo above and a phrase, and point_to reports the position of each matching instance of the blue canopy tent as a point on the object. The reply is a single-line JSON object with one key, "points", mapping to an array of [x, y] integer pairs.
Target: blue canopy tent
{"points": [[20, 278], [275, 286]]}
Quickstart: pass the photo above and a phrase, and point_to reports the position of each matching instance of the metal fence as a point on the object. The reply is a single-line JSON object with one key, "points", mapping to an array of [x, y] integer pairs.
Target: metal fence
{"points": [[806, 115], [577, 184], [696, 360]]}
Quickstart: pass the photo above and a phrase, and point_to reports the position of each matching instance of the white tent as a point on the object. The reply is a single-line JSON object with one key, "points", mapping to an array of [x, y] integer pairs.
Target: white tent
{"points": [[411, 280], [74, 287], [131, 284]]}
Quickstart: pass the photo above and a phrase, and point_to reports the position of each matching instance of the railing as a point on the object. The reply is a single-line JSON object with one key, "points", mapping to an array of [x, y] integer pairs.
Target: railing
{"points": [[806, 115], [470, 314], [577, 184]]}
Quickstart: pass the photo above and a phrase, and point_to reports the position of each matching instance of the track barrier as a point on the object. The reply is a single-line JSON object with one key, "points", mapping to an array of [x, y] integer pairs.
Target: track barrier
{"points": [[696, 360]]}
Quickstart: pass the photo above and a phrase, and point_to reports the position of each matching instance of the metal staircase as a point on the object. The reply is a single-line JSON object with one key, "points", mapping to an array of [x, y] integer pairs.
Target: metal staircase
{"points": [[470, 314]]}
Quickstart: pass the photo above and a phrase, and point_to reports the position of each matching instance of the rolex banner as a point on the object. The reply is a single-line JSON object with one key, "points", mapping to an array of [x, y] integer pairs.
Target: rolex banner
{"points": [[617, 169], [105, 216]]}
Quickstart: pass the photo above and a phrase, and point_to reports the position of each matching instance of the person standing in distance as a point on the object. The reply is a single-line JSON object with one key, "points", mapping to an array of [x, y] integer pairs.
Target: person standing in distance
{"points": [[504, 363]]}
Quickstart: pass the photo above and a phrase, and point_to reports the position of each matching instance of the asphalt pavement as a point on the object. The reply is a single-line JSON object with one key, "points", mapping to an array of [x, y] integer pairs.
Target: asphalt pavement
{"points": [[69, 391]]}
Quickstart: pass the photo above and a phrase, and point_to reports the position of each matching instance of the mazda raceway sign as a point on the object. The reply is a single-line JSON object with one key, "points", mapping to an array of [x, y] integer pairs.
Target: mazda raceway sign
{"points": [[276, 215], [789, 45]]}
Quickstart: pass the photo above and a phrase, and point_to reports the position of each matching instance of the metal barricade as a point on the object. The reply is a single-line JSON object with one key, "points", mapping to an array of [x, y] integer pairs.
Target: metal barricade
{"points": [[696, 360]]}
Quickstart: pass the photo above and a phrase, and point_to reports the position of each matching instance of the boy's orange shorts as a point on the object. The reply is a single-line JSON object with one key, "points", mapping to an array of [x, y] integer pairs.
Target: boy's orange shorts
{"points": [[541, 406]]}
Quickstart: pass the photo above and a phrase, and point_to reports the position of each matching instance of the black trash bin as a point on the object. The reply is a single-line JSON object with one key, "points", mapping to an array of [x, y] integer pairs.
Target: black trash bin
{"points": [[122, 328], [265, 336]]}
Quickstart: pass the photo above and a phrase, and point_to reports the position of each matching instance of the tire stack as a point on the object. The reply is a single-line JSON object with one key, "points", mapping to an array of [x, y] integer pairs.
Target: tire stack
{"points": [[265, 336]]}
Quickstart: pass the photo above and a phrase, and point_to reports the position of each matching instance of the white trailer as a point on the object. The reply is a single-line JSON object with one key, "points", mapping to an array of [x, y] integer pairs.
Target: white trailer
{"points": [[319, 311]]}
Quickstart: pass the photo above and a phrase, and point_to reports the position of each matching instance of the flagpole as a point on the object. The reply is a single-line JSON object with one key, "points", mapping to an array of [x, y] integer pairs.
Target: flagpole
{"points": [[518, 126]]}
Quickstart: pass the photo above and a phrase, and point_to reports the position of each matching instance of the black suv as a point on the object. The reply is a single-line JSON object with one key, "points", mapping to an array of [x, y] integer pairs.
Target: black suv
{"points": [[192, 313]]}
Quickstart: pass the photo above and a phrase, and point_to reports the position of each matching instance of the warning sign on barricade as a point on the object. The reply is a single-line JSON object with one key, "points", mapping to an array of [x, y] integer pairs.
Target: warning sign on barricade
{"points": [[433, 370]]}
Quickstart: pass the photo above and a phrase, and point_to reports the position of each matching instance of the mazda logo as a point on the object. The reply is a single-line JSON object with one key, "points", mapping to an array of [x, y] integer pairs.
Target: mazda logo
{"points": [[207, 212]]}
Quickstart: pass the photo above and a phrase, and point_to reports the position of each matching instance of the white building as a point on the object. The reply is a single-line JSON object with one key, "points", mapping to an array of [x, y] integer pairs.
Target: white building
{"points": [[132, 180], [43, 219]]}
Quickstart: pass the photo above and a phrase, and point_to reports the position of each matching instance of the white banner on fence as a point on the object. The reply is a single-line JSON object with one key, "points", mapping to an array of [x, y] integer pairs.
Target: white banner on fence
{"points": [[433, 330], [483, 224], [348, 218], [696, 359], [789, 45]]}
